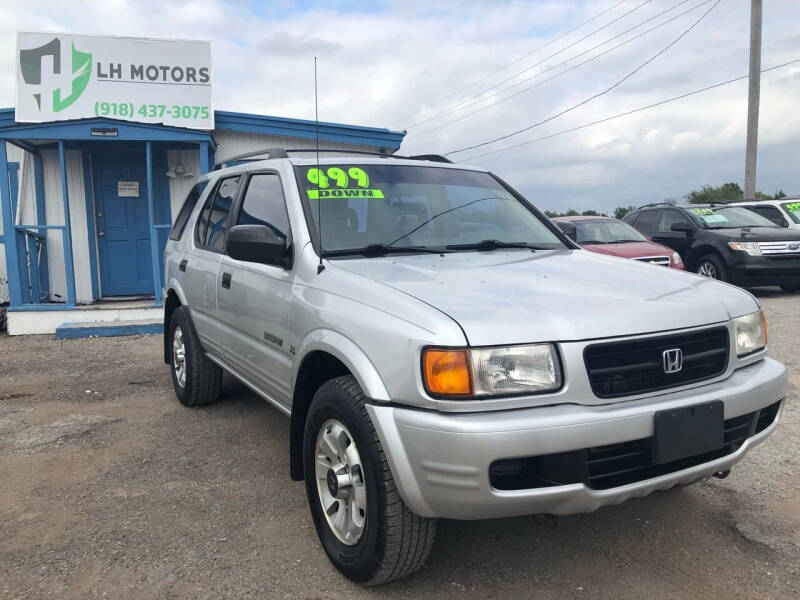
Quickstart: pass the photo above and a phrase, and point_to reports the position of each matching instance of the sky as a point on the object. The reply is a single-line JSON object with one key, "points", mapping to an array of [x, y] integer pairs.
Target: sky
{"points": [[425, 67]]}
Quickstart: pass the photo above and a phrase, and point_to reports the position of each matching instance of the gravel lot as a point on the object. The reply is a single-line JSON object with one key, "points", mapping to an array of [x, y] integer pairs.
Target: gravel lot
{"points": [[110, 488]]}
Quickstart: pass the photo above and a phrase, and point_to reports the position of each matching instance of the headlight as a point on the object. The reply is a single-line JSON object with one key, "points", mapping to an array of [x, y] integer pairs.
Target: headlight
{"points": [[751, 333], [676, 259], [483, 372], [752, 248]]}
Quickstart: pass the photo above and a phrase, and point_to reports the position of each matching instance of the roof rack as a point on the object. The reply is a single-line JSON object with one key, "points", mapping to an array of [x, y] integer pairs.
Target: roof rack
{"points": [[652, 204], [278, 152]]}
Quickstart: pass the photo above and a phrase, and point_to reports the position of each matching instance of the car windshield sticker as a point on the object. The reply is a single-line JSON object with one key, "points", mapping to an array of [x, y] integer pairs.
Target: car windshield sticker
{"points": [[708, 215], [793, 207], [336, 182]]}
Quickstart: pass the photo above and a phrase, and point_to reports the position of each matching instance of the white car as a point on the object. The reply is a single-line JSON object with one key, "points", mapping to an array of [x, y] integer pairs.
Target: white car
{"points": [[784, 212]]}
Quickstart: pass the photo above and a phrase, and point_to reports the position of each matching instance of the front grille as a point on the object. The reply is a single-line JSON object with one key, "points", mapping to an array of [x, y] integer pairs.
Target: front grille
{"points": [[662, 261], [604, 467], [637, 366], [780, 248]]}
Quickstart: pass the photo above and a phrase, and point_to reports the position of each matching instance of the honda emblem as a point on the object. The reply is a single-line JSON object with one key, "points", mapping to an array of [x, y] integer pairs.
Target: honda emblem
{"points": [[673, 360]]}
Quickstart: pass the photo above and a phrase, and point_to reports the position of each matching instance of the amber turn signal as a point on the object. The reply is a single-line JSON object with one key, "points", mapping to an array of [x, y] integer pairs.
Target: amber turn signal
{"points": [[447, 372], [766, 331]]}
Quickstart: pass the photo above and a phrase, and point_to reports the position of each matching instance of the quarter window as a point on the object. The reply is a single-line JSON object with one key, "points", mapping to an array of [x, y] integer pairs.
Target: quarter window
{"points": [[211, 225], [264, 204], [186, 210]]}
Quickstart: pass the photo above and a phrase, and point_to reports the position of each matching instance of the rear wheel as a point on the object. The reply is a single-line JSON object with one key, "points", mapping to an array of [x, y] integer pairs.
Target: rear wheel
{"points": [[711, 266], [366, 529], [195, 379]]}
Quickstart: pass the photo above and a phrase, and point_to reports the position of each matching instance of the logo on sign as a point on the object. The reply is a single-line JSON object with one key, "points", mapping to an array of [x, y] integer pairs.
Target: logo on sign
{"points": [[77, 73], [673, 360]]}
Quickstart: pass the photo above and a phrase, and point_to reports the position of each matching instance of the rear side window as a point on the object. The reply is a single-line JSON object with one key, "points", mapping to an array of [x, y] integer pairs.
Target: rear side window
{"points": [[648, 221], [212, 224], [264, 204], [186, 210]]}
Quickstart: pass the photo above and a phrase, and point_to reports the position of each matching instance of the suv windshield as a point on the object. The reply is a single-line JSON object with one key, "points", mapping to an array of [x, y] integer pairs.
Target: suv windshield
{"points": [[729, 217], [605, 232], [385, 208], [793, 209]]}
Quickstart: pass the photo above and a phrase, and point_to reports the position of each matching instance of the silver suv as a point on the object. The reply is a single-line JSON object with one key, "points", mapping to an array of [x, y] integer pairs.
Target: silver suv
{"points": [[443, 350]]}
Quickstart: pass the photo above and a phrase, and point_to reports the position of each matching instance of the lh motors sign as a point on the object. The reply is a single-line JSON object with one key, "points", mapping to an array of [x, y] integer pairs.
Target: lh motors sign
{"points": [[61, 77]]}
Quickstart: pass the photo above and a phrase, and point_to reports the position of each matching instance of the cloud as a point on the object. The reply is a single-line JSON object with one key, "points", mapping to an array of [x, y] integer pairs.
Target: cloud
{"points": [[285, 44], [387, 63]]}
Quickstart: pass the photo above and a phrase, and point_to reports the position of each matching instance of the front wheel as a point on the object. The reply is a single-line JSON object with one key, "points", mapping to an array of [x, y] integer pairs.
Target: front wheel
{"points": [[366, 529], [711, 266]]}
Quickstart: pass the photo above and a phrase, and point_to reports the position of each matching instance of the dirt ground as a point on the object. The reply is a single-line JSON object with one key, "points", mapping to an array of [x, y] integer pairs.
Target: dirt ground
{"points": [[110, 488]]}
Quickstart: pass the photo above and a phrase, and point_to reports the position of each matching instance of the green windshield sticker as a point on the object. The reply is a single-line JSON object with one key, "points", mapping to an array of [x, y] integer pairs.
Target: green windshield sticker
{"points": [[793, 207], [702, 211], [344, 193], [336, 182]]}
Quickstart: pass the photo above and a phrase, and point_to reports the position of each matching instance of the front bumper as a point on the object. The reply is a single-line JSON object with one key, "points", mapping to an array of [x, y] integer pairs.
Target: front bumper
{"points": [[440, 461], [756, 271]]}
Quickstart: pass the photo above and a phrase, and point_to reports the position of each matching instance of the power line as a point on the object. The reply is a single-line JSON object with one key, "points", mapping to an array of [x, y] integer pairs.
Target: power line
{"points": [[477, 99], [626, 113], [597, 95], [542, 47], [565, 71]]}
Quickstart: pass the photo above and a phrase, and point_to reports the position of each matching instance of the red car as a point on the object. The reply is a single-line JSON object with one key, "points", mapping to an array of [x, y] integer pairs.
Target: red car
{"points": [[611, 236]]}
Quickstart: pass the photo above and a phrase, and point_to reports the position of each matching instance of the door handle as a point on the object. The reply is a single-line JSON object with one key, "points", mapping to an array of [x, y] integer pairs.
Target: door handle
{"points": [[101, 233], [182, 266], [226, 281]]}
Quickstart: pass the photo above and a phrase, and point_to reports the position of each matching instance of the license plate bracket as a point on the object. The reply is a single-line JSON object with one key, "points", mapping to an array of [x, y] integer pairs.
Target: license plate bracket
{"points": [[688, 431]]}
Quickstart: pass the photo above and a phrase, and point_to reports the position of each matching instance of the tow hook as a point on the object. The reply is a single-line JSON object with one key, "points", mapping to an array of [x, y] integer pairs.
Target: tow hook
{"points": [[722, 474]]}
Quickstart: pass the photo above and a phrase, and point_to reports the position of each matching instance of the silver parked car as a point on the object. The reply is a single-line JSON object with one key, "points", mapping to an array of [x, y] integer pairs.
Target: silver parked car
{"points": [[443, 350]]}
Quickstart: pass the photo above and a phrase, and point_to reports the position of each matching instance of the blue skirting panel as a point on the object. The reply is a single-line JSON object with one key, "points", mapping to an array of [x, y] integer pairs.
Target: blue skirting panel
{"points": [[69, 331]]}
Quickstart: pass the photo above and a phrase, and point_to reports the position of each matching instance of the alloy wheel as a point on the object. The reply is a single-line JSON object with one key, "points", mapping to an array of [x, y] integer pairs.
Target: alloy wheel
{"points": [[340, 482], [179, 356], [706, 269]]}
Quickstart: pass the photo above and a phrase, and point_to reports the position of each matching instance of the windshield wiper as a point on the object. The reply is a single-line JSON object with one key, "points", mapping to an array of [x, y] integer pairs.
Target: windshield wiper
{"points": [[494, 245], [375, 250], [623, 241], [591, 242]]}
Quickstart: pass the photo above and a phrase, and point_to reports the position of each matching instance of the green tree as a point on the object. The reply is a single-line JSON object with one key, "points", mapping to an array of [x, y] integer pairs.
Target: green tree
{"points": [[722, 194], [779, 194], [621, 211]]}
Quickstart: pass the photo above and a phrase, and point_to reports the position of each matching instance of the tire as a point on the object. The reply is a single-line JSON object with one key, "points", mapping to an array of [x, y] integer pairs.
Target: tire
{"points": [[391, 541], [790, 289], [197, 380], [711, 266]]}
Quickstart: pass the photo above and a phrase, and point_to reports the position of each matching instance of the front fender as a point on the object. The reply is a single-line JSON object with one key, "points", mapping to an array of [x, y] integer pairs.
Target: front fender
{"points": [[353, 357]]}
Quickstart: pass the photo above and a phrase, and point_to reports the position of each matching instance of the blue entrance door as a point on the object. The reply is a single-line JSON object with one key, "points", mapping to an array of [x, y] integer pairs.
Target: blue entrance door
{"points": [[123, 224]]}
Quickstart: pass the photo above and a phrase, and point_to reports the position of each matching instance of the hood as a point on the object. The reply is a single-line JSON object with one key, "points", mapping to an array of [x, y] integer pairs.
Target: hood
{"points": [[758, 234], [630, 249], [518, 296]]}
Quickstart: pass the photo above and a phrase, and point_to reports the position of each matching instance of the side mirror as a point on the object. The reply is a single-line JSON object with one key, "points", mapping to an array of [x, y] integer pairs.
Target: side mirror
{"points": [[258, 244], [569, 229], [682, 228]]}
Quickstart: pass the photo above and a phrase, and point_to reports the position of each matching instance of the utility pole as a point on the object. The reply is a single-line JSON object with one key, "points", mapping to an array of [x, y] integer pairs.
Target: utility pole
{"points": [[753, 99]]}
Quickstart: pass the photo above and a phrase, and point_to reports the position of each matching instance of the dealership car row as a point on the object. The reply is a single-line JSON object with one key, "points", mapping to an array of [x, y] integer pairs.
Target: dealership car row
{"points": [[747, 243]]}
